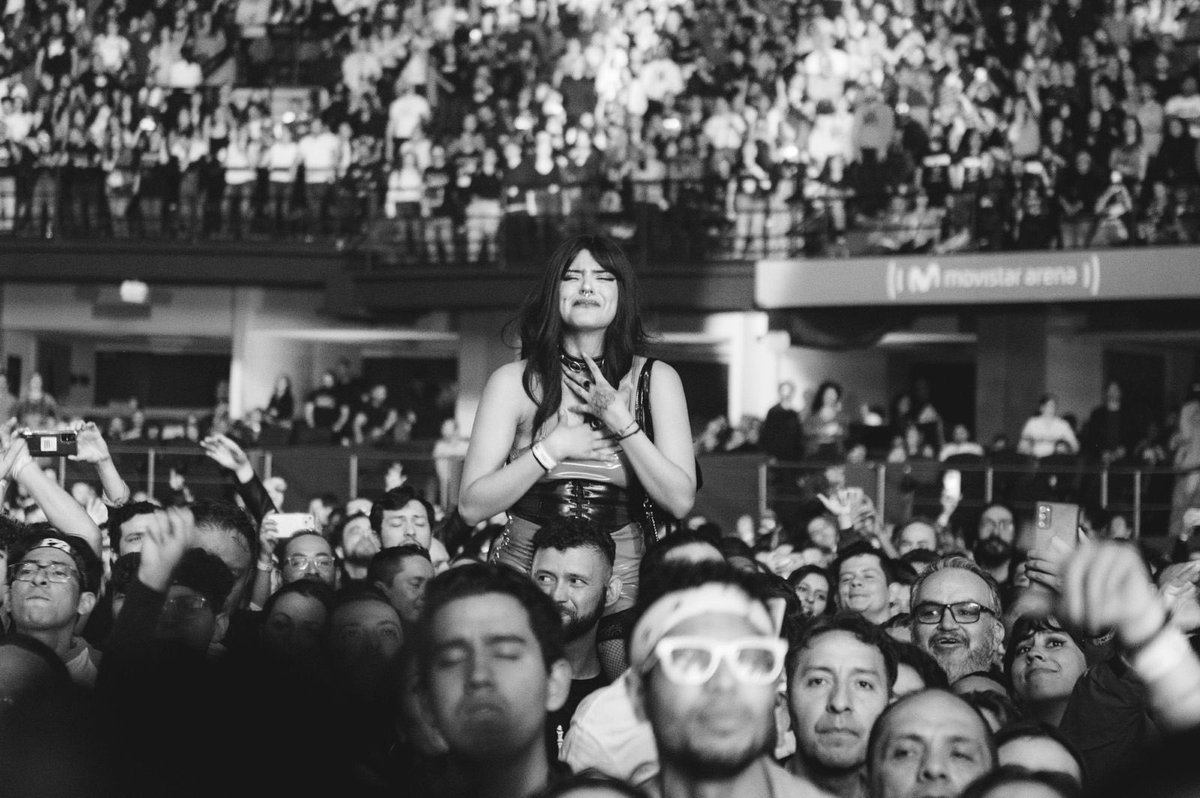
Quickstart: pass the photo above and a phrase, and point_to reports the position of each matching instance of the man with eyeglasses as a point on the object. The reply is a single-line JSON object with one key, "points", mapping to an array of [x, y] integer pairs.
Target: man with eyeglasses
{"points": [[956, 616], [308, 555], [52, 582], [705, 663]]}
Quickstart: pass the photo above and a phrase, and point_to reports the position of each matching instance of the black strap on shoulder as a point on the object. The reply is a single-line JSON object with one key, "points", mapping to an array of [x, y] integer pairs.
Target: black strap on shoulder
{"points": [[642, 402]]}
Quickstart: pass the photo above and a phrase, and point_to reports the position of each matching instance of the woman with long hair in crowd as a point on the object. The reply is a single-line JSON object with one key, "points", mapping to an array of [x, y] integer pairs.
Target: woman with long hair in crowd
{"points": [[566, 428]]}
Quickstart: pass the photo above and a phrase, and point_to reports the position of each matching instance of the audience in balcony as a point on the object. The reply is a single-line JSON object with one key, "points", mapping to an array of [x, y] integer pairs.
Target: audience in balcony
{"points": [[872, 128]]}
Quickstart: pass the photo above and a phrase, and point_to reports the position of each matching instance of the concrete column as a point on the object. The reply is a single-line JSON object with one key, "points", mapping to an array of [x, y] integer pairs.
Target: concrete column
{"points": [[1012, 364], [481, 351]]}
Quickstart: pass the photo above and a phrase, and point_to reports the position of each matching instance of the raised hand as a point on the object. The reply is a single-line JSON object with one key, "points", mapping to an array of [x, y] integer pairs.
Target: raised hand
{"points": [[169, 535], [225, 452], [1106, 586], [90, 444], [14, 459]]}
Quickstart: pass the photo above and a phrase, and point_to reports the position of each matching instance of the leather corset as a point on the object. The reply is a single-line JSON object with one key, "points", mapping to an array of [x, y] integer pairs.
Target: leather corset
{"points": [[604, 504]]}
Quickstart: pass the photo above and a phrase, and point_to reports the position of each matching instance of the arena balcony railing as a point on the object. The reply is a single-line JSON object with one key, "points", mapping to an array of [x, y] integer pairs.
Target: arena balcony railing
{"points": [[749, 483], [666, 222]]}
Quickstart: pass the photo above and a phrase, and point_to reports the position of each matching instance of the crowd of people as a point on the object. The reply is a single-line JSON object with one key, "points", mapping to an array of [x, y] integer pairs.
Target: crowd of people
{"points": [[1087, 458], [170, 645], [698, 129], [569, 626]]}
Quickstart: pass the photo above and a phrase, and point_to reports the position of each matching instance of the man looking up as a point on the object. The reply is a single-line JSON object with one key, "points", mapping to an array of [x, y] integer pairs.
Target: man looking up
{"points": [[956, 616], [573, 565], [863, 574], [491, 661], [705, 664], [840, 671], [54, 580]]}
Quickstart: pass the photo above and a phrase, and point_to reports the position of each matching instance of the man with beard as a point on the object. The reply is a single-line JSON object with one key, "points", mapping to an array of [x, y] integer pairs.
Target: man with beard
{"points": [[705, 664], [841, 671], [993, 549], [573, 565], [492, 666], [956, 616], [355, 544]]}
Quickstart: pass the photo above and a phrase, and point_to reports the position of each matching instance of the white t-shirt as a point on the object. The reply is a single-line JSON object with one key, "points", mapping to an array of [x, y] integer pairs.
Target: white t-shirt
{"points": [[1040, 434], [406, 113], [319, 154]]}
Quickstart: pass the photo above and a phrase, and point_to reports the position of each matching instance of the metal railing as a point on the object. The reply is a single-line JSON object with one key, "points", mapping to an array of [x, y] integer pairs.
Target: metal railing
{"points": [[898, 490]]}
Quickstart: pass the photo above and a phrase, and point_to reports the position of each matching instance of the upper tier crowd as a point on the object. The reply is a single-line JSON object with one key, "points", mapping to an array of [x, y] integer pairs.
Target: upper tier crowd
{"points": [[704, 129]]}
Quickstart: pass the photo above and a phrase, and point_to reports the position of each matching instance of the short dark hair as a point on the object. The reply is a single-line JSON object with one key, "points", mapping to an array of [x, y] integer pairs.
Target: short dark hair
{"points": [[390, 561], [117, 516], [313, 588], [920, 660], [207, 574], [1061, 783], [873, 741], [852, 623], [797, 576], [225, 515], [356, 591], [656, 555], [481, 579], [861, 548], [282, 547], [1034, 729], [561, 534], [396, 499]]}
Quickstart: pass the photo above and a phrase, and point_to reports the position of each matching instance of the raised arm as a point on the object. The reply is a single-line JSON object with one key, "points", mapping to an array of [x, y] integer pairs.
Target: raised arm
{"points": [[225, 451], [61, 509], [91, 448]]}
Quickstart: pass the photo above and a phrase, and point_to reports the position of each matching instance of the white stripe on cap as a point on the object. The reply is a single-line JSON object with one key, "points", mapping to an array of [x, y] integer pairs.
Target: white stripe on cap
{"points": [[54, 543]]}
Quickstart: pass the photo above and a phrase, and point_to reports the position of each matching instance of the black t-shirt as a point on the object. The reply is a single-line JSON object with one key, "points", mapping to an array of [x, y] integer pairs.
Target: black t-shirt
{"points": [[557, 723], [326, 407]]}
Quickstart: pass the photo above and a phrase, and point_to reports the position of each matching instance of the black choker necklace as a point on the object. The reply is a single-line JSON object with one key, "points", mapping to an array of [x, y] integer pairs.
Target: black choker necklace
{"points": [[578, 364]]}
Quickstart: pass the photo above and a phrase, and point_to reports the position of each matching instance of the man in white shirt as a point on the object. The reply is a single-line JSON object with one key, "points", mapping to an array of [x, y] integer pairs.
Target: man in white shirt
{"points": [[406, 115], [322, 157]]}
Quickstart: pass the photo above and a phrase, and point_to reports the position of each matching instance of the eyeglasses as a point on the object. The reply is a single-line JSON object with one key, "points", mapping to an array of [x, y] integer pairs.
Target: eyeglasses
{"points": [[302, 561], [694, 660], [930, 612], [185, 605], [55, 571]]}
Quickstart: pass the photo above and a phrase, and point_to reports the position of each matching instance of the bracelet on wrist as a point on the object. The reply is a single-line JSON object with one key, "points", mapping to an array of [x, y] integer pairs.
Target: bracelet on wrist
{"points": [[633, 429], [542, 457], [265, 567], [1132, 650]]}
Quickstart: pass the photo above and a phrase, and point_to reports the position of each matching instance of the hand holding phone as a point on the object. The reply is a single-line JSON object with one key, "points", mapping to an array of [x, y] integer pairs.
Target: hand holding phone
{"points": [[50, 443]]}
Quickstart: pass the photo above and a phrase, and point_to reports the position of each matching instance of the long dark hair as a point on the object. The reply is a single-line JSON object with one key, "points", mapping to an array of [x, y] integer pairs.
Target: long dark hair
{"points": [[540, 325]]}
